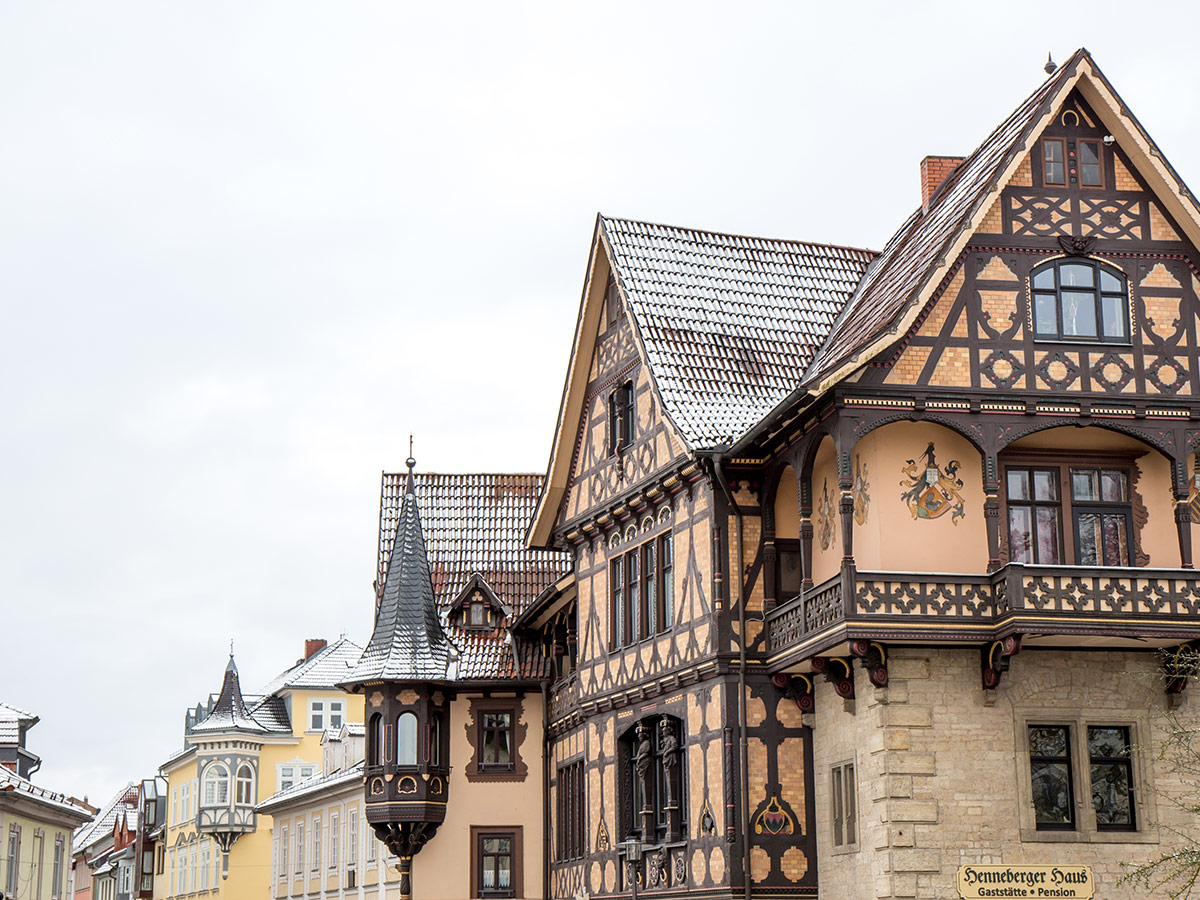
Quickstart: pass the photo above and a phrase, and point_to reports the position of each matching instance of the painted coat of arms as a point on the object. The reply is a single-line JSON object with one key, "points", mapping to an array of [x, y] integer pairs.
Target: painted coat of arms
{"points": [[825, 518], [861, 491], [932, 490]]}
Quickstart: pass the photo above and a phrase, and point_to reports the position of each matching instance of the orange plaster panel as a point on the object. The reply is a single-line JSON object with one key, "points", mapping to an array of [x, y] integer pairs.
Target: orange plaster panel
{"points": [[996, 270]]}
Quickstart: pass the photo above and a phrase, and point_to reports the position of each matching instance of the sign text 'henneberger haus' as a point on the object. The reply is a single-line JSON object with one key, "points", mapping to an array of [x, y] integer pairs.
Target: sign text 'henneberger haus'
{"points": [[1025, 882]]}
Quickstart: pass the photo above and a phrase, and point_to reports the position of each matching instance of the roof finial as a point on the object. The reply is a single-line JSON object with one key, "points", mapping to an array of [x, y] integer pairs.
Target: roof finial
{"points": [[1050, 66], [231, 648], [410, 486]]}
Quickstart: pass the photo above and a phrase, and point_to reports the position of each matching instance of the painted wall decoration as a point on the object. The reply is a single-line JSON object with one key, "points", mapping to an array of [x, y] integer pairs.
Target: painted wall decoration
{"points": [[931, 490], [825, 518], [1193, 497], [774, 819], [861, 492], [602, 837]]}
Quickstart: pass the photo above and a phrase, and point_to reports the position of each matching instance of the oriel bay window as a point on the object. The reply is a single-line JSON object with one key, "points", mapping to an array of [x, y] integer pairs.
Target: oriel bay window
{"points": [[641, 592], [1060, 513]]}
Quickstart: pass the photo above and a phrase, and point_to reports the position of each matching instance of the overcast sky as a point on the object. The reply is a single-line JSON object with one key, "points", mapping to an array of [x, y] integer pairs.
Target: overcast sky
{"points": [[247, 248]]}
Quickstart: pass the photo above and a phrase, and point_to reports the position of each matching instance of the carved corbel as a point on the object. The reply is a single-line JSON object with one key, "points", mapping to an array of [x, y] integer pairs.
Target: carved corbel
{"points": [[1179, 664], [873, 657], [798, 688], [995, 657], [837, 671]]}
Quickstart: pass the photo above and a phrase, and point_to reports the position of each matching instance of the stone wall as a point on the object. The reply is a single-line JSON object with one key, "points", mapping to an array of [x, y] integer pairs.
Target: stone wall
{"points": [[943, 776]]}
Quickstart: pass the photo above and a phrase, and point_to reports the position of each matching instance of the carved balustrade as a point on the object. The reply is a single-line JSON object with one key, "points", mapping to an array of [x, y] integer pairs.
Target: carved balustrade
{"points": [[1125, 602]]}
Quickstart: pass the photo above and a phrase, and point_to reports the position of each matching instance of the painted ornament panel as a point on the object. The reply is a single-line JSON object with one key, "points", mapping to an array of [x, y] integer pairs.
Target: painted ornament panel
{"points": [[930, 490], [861, 492], [825, 518]]}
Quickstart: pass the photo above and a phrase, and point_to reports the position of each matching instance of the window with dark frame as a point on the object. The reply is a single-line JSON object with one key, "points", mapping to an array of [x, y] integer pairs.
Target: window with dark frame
{"points": [[1054, 162], [495, 740], [571, 827], [1091, 172], [620, 417], [1094, 499], [844, 804], [612, 302], [641, 592], [1051, 777], [1079, 300], [1111, 772], [494, 865]]}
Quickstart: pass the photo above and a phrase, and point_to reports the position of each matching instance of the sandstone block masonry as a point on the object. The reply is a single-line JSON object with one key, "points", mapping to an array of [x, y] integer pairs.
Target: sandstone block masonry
{"points": [[943, 769]]}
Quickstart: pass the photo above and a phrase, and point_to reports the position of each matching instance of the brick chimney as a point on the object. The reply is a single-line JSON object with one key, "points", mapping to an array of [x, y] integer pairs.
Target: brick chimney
{"points": [[313, 645], [934, 171]]}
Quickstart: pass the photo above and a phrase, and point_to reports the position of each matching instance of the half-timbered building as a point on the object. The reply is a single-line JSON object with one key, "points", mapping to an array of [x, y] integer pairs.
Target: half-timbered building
{"points": [[876, 557]]}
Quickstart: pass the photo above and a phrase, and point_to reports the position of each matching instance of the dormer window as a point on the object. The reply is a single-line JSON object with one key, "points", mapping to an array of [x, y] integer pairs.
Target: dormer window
{"points": [[620, 418], [476, 615], [1080, 300]]}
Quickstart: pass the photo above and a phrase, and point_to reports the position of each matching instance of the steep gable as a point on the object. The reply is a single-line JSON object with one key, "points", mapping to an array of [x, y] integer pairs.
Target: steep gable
{"points": [[723, 325], [920, 260]]}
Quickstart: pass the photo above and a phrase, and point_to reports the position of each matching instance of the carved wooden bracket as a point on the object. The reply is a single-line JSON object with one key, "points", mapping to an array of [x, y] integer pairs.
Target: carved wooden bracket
{"points": [[995, 657], [1180, 664], [873, 656], [798, 688], [837, 671]]}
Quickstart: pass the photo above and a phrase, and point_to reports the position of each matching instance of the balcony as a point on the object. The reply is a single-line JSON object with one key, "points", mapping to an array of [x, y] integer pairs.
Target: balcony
{"points": [[1118, 607]]}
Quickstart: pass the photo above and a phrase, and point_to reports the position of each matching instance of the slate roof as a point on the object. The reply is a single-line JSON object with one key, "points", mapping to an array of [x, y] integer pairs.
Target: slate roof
{"points": [[408, 642], [125, 801], [314, 785], [230, 712], [475, 524], [324, 670], [11, 720], [728, 323], [910, 258]]}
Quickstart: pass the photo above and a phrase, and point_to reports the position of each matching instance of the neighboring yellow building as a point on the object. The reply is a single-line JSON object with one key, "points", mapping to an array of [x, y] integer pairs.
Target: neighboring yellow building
{"points": [[238, 750], [324, 848], [35, 823]]}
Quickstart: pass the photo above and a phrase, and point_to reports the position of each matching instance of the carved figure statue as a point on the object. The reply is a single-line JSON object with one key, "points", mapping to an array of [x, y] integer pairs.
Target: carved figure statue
{"points": [[669, 746], [643, 757]]}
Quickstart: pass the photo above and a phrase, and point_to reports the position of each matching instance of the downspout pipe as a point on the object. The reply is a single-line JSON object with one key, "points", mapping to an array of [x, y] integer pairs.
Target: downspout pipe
{"points": [[738, 583]]}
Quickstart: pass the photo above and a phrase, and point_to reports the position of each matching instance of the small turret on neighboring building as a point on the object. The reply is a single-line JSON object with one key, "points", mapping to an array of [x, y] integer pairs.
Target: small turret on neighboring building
{"points": [[405, 674]]}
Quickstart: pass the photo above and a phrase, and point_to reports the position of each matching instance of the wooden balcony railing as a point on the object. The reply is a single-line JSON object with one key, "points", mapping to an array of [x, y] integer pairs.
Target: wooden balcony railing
{"points": [[1125, 602]]}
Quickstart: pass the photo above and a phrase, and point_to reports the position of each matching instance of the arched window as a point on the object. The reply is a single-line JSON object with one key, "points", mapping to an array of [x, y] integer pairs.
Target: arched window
{"points": [[406, 740], [1080, 299], [216, 785], [245, 785], [375, 741]]}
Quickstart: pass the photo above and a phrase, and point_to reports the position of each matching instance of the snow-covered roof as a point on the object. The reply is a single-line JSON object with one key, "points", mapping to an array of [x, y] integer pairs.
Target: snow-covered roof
{"points": [[324, 670], [12, 782], [123, 802], [12, 720], [312, 786]]}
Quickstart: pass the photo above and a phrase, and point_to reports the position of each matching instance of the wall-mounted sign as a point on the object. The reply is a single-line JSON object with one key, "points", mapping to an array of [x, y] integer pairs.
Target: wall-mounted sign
{"points": [[1025, 882]]}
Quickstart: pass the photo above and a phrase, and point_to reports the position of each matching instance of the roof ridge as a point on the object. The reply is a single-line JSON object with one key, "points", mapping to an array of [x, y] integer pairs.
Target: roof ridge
{"points": [[736, 236]]}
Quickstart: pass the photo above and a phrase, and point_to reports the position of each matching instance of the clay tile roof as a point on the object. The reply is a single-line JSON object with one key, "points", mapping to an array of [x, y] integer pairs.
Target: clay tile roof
{"points": [[914, 252], [728, 323], [474, 524]]}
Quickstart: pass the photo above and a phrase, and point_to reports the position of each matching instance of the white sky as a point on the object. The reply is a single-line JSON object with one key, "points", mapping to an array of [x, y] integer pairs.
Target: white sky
{"points": [[246, 248]]}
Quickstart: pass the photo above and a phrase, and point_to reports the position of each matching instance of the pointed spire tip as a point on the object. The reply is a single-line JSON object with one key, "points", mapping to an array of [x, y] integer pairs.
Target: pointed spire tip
{"points": [[409, 484], [1050, 65]]}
